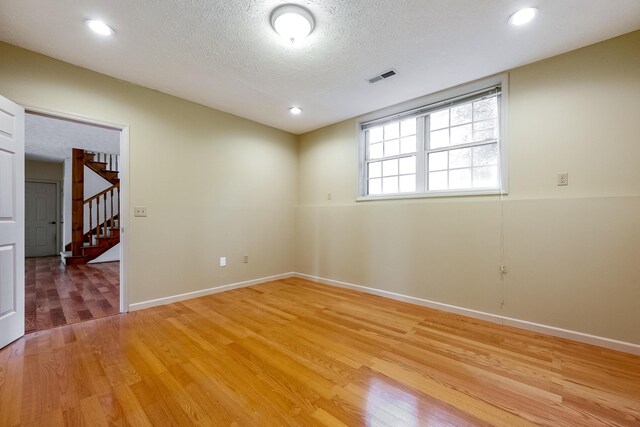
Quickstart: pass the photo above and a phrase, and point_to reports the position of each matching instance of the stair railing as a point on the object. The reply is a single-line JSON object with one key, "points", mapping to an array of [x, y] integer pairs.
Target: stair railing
{"points": [[105, 214]]}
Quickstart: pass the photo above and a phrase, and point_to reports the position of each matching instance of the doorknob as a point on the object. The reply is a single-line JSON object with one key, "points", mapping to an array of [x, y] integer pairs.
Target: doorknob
{"points": [[52, 222]]}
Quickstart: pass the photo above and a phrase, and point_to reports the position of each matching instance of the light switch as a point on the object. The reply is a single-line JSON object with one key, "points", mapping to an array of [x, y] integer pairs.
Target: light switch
{"points": [[223, 261], [140, 211]]}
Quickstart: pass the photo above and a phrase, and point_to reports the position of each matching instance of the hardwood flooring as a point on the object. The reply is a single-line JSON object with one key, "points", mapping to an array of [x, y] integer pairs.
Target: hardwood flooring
{"points": [[57, 295], [293, 352]]}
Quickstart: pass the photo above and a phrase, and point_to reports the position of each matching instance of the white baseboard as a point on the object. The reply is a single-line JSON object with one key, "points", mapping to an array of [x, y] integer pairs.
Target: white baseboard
{"points": [[496, 318], [203, 292]]}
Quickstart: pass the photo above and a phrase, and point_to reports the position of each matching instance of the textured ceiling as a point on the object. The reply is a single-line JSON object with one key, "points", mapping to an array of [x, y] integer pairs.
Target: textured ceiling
{"points": [[224, 54], [52, 139]]}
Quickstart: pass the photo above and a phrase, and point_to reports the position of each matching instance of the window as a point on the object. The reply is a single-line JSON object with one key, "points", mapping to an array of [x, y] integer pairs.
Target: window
{"points": [[446, 147], [391, 162]]}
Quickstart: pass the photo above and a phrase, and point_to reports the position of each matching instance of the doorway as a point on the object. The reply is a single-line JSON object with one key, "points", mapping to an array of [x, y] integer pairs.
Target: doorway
{"points": [[73, 239]]}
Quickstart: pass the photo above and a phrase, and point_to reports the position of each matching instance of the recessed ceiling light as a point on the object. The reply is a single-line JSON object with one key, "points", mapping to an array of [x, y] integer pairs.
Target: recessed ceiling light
{"points": [[523, 16], [295, 110], [100, 27], [292, 22]]}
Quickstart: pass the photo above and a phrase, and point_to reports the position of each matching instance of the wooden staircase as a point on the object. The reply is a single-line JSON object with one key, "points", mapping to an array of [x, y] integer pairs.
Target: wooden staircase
{"points": [[105, 165], [98, 214]]}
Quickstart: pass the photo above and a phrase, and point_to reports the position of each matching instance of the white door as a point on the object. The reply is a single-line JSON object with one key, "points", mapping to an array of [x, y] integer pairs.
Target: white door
{"points": [[40, 216], [11, 221]]}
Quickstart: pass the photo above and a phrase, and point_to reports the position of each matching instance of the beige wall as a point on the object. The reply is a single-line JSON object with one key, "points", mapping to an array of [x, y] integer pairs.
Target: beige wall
{"points": [[48, 171], [573, 252], [214, 184]]}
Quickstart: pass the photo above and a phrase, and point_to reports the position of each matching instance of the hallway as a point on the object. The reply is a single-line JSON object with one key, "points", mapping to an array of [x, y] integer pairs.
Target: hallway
{"points": [[57, 295]]}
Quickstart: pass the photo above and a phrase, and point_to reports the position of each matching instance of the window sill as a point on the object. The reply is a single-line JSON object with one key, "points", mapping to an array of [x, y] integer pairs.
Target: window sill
{"points": [[432, 194]]}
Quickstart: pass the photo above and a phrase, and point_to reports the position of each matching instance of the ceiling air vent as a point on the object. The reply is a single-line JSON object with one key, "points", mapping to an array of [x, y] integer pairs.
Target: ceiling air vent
{"points": [[382, 76]]}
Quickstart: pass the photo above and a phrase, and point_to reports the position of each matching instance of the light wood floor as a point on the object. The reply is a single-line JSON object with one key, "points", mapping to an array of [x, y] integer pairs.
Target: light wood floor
{"points": [[57, 295], [293, 352]]}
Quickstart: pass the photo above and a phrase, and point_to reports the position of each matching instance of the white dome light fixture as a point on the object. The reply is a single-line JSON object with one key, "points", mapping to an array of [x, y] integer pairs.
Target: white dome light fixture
{"points": [[295, 110], [523, 16], [100, 27], [292, 22]]}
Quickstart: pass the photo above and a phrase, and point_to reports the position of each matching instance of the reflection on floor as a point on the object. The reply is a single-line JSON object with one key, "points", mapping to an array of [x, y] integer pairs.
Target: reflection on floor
{"points": [[58, 295], [297, 353]]}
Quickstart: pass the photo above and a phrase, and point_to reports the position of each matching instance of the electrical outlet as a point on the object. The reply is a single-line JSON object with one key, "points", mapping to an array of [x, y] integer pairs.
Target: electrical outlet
{"points": [[140, 211], [223, 261], [245, 259], [563, 179], [328, 196]]}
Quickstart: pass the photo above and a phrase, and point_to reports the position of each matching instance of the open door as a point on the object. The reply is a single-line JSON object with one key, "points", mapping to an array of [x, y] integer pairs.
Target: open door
{"points": [[11, 221]]}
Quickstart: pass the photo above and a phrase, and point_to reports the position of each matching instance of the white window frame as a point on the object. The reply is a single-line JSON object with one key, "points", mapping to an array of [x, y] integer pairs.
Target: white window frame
{"points": [[501, 80]]}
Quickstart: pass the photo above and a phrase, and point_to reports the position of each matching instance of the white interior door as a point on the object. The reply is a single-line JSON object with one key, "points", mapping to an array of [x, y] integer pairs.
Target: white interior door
{"points": [[40, 215], [11, 221]]}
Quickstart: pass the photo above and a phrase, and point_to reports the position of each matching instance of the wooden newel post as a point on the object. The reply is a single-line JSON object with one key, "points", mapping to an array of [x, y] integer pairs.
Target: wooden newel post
{"points": [[77, 206]]}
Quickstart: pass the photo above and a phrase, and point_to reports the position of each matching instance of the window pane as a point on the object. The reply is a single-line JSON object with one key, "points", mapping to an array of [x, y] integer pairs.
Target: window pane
{"points": [[390, 167], [486, 176], [375, 151], [408, 127], [375, 170], [407, 183], [484, 124], [461, 134], [408, 165], [391, 148], [484, 130], [390, 185], [392, 131], [438, 161], [439, 120], [485, 109], [460, 158], [485, 155], [461, 114], [439, 138], [375, 186], [375, 135], [484, 135], [408, 145], [460, 178], [438, 180]]}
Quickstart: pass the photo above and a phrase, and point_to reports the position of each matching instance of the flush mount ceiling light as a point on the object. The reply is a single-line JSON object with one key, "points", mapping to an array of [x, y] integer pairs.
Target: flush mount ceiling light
{"points": [[523, 16], [292, 22], [100, 27], [295, 110]]}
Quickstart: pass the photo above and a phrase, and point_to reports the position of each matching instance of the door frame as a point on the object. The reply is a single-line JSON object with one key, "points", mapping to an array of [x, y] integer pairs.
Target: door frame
{"points": [[124, 187], [59, 203]]}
